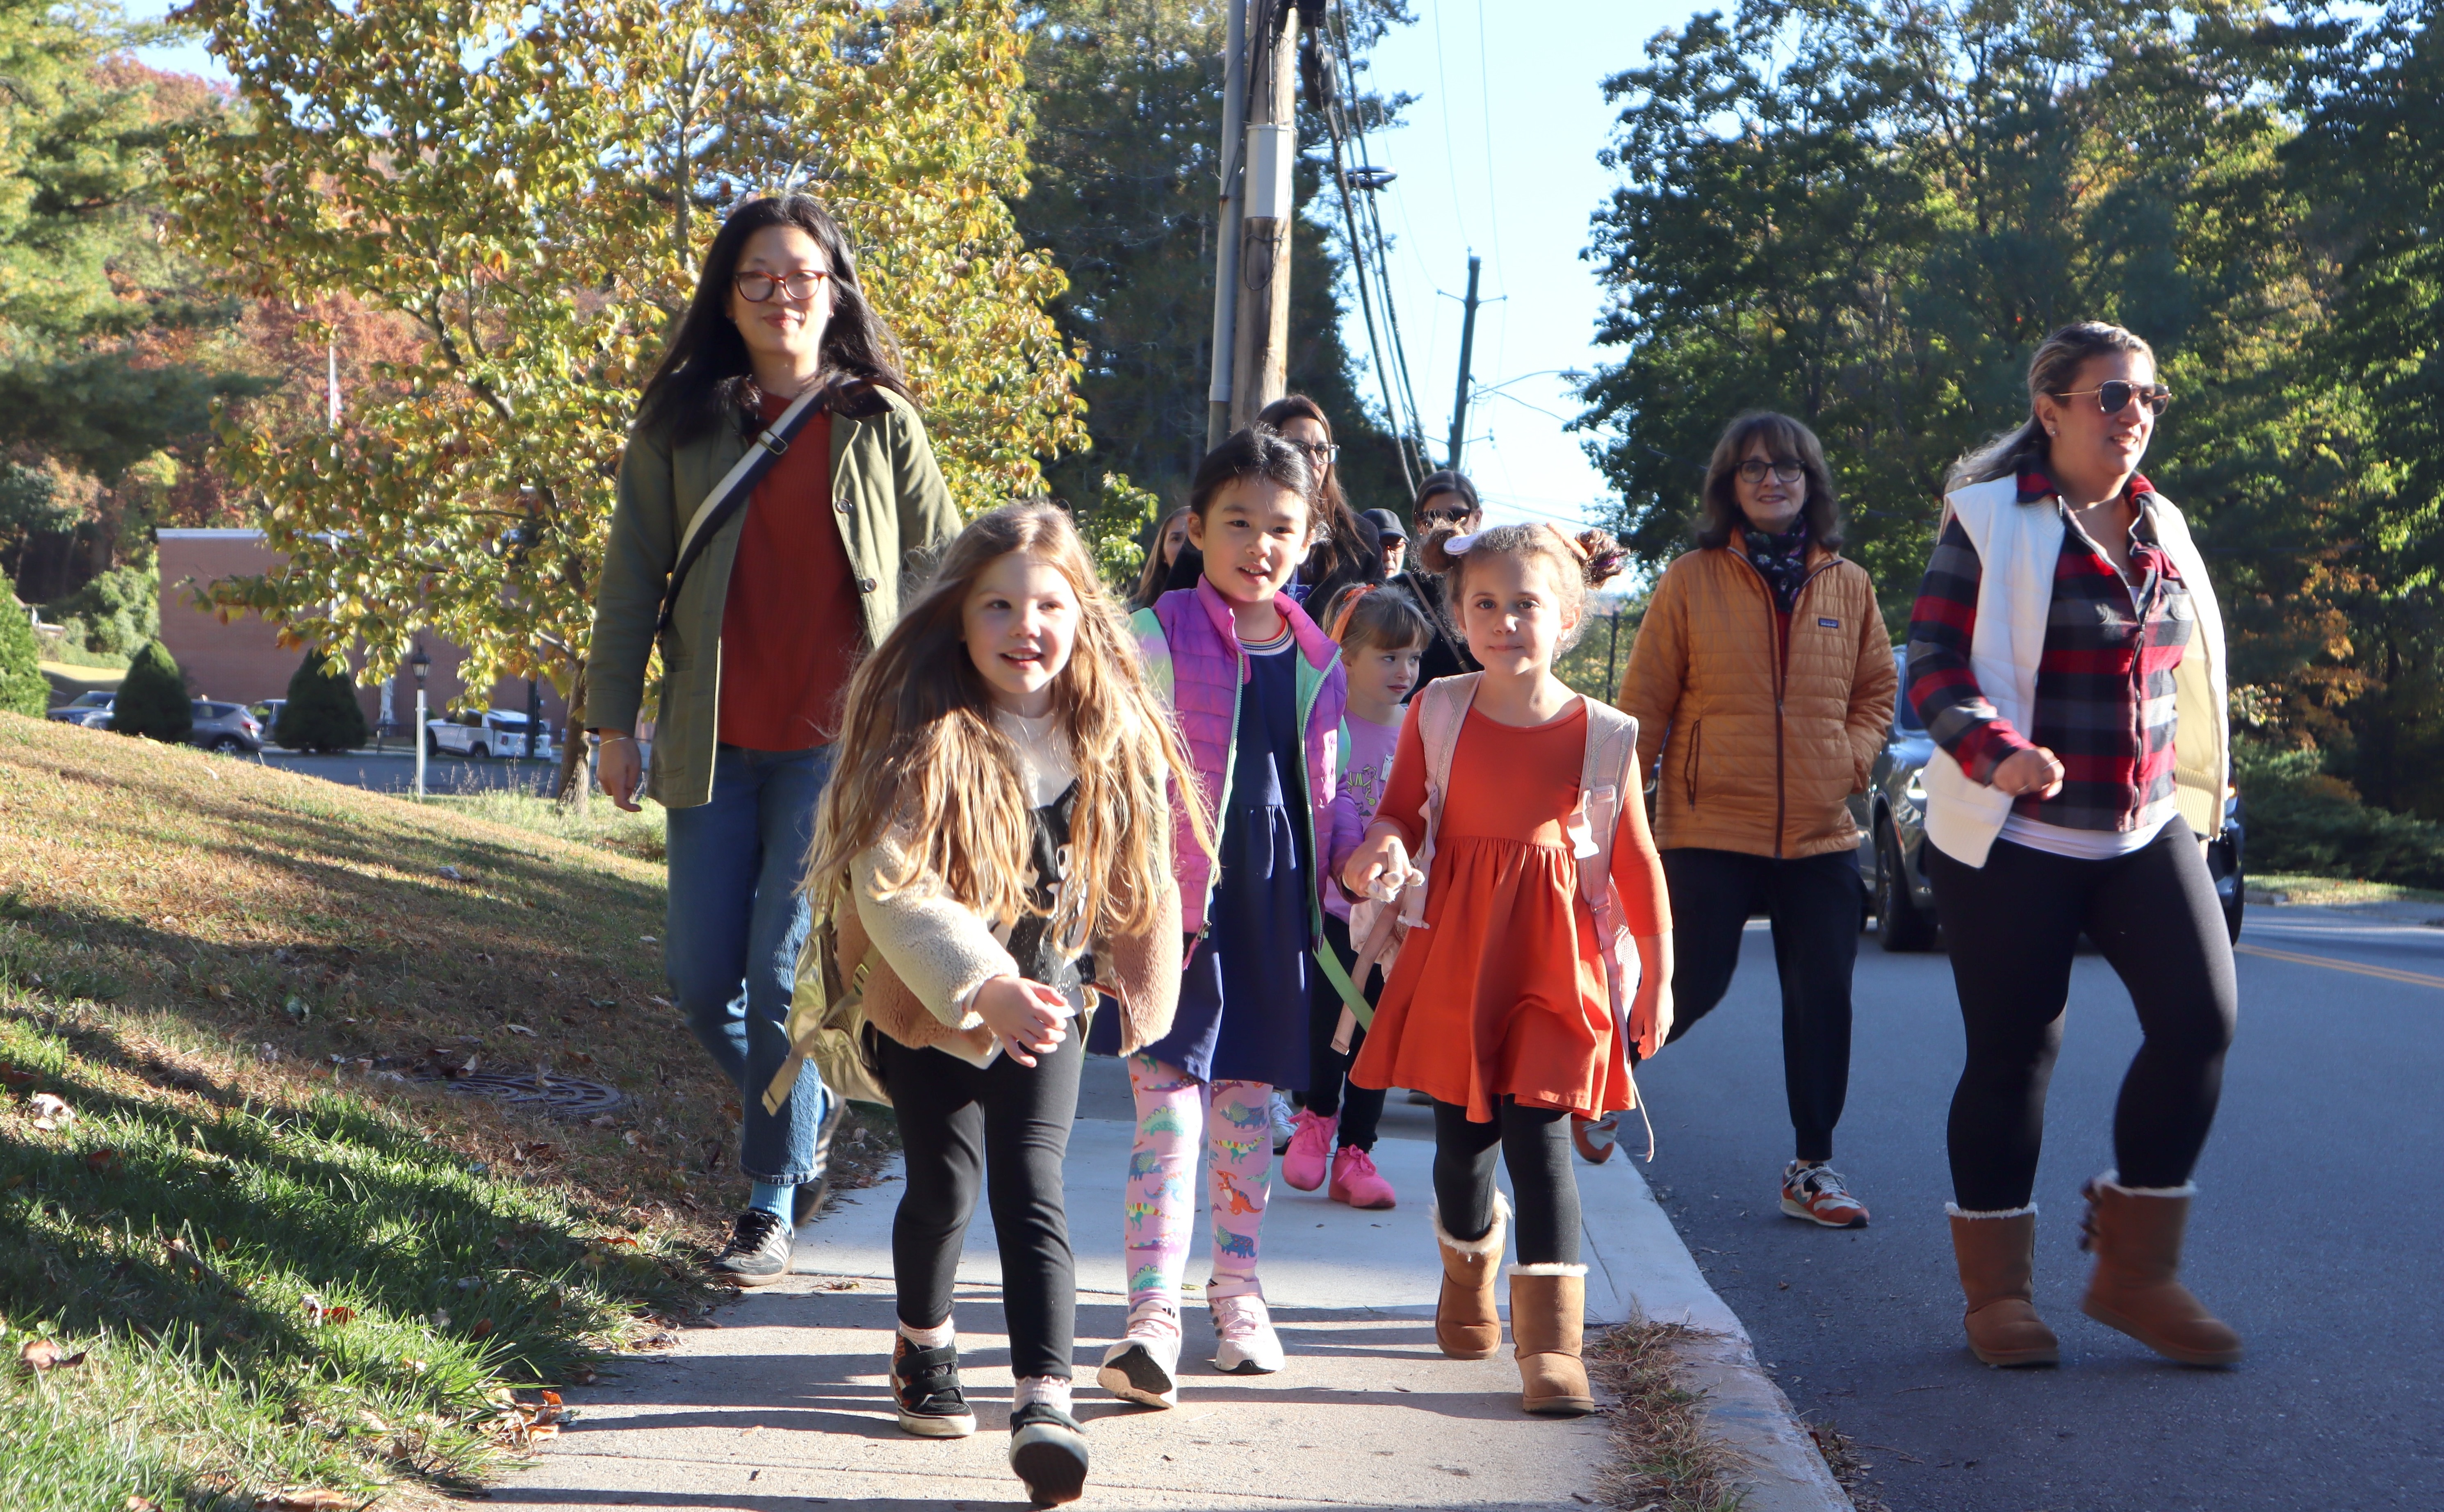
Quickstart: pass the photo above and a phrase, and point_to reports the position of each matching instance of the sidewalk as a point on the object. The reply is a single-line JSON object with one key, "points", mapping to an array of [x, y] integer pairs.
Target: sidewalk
{"points": [[785, 1405]]}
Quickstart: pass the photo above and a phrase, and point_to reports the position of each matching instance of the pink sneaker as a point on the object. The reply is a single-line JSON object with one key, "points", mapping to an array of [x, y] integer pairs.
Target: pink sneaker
{"points": [[1310, 1151], [1357, 1182]]}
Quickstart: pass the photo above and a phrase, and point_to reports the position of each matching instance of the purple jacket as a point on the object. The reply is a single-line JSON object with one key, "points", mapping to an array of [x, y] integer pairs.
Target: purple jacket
{"points": [[1191, 654]]}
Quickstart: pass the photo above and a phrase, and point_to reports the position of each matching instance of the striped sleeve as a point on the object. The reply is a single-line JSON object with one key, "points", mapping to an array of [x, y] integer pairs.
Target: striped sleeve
{"points": [[1942, 687]]}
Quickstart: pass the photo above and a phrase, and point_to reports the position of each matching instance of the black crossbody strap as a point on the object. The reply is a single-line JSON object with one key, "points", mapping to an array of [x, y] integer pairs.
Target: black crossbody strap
{"points": [[730, 495]]}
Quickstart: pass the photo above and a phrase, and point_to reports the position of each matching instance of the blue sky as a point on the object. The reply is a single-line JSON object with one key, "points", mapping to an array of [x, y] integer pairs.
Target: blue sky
{"points": [[1497, 156]]}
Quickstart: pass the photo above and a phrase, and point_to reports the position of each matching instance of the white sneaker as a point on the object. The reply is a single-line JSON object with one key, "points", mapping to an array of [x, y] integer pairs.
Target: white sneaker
{"points": [[1285, 1121], [1143, 1369], [1249, 1345]]}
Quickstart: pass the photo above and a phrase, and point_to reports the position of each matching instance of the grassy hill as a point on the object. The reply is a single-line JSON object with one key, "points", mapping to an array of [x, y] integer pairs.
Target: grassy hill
{"points": [[287, 1259]]}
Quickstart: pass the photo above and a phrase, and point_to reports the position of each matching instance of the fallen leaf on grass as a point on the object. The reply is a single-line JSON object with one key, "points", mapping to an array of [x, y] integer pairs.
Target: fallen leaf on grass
{"points": [[143, 1504], [50, 1112], [483, 1329], [11, 1075], [628, 1240], [453, 874], [307, 1498], [315, 1311], [296, 1008], [520, 1028], [102, 1161], [41, 1355], [334, 1316]]}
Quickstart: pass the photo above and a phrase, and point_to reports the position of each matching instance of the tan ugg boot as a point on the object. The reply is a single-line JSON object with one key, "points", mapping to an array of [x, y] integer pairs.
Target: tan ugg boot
{"points": [[1548, 1311], [1996, 1252], [1466, 1323], [2135, 1233]]}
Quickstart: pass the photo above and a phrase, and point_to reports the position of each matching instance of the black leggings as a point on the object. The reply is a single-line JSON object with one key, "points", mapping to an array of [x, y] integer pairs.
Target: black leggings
{"points": [[1535, 1144], [1005, 1126], [1328, 1090], [2011, 926]]}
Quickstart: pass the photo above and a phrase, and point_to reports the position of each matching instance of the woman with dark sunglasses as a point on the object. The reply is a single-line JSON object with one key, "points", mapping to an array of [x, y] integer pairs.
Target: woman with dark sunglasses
{"points": [[2066, 655], [1445, 500], [1761, 681], [765, 620]]}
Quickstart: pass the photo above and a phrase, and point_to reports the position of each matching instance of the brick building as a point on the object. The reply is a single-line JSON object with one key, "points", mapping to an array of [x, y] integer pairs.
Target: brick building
{"points": [[242, 662]]}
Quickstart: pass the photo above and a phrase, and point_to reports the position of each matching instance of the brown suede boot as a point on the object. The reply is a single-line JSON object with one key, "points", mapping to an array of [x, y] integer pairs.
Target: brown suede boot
{"points": [[1466, 1323], [2135, 1235], [1548, 1313], [1996, 1252]]}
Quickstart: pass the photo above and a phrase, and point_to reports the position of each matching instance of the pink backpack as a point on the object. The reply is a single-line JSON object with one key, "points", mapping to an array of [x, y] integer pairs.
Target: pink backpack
{"points": [[1608, 779]]}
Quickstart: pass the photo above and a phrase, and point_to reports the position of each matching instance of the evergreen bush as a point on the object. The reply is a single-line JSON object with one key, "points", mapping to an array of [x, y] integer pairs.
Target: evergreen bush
{"points": [[23, 689], [2301, 818], [321, 714], [153, 697]]}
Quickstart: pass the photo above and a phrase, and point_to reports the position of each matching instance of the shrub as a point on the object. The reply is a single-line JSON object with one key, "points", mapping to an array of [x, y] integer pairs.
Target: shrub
{"points": [[23, 689], [2303, 820], [153, 697], [321, 714], [113, 614]]}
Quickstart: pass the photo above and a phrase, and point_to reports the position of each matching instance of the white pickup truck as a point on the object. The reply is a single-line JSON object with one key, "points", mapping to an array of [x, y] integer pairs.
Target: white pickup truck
{"points": [[498, 732]]}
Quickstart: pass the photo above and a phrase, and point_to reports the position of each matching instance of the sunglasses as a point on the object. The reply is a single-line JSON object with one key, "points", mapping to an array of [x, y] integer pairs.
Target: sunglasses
{"points": [[1785, 469], [2114, 395], [758, 289], [1434, 517]]}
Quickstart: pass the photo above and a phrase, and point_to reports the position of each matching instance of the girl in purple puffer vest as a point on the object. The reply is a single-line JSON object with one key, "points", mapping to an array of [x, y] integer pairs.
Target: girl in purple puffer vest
{"points": [[1259, 694]]}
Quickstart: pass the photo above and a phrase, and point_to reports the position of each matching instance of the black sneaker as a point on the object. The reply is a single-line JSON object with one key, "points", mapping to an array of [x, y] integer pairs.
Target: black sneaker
{"points": [[806, 1201], [1049, 1451], [758, 1253], [925, 1382]]}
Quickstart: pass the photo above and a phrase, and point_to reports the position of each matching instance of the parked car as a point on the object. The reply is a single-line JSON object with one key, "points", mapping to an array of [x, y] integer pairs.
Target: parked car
{"points": [[266, 714], [1891, 815], [495, 732], [90, 709], [231, 729]]}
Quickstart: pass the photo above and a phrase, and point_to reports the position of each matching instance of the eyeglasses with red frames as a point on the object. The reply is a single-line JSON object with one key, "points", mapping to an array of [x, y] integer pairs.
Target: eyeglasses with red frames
{"points": [[759, 289], [2114, 395]]}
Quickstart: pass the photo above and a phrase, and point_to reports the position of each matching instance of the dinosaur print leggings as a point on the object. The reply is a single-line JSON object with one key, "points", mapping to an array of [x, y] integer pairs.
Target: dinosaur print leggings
{"points": [[1173, 1110]]}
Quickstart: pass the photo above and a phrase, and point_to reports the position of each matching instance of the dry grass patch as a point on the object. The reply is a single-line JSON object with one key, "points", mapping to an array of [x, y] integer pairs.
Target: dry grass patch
{"points": [[287, 1252], [1664, 1460]]}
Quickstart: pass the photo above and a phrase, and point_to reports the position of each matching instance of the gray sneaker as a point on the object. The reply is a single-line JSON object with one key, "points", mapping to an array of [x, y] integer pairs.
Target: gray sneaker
{"points": [[758, 1252]]}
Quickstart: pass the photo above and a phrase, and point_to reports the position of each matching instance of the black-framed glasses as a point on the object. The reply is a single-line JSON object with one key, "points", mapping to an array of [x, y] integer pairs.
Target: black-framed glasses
{"points": [[2114, 395], [1785, 469], [1324, 453], [757, 288]]}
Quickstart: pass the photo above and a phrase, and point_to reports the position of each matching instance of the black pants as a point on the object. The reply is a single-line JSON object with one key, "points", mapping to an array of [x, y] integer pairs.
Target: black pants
{"points": [[1535, 1144], [2011, 926], [1004, 1127], [1814, 903], [1328, 1090]]}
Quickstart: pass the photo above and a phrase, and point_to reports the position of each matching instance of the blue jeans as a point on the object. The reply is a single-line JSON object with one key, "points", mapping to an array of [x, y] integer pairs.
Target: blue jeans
{"points": [[736, 923]]}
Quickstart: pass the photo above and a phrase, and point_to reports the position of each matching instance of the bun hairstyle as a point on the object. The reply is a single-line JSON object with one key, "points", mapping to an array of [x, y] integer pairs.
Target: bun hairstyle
{"points": [[1580, 563], [1375, 616]]}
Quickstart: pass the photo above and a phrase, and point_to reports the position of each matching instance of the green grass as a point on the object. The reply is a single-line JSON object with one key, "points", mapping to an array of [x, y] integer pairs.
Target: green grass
{"points": [[602, 825], [234, 975], [2299, 886], [69, 655]]}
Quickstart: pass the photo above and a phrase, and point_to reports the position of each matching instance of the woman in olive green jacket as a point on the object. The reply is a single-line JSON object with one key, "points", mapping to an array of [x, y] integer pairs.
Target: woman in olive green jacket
{"points": [[757, 635]]}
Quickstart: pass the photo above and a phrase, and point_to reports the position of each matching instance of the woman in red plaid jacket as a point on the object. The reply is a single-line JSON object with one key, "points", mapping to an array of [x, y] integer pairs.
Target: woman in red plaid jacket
{"points": [[2066, 655]]}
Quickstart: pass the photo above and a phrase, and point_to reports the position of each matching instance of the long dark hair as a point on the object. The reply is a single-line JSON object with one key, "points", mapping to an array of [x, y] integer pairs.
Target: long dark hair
{"points": [[705, 374], [1443, 481], [2052, 370], [1718, 506], [1338, 543], [1156, 572]]}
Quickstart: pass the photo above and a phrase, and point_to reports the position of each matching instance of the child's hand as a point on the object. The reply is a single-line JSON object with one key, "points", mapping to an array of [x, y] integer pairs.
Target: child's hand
{"points": [[1379, 867], [1024, 1015], [1650, 1008]]}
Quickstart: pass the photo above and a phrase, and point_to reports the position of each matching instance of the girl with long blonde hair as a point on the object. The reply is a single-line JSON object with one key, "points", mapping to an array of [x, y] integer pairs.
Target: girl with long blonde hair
{"points": [[1001, 807]]}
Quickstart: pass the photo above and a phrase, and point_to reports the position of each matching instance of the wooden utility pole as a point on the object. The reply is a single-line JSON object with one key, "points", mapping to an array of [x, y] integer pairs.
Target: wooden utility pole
{"points": [[1225, 230], [1260, 343], [1467, 354]]}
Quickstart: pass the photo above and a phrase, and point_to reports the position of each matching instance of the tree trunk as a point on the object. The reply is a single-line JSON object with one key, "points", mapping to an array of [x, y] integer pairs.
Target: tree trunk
{"points": [[575, 783]]}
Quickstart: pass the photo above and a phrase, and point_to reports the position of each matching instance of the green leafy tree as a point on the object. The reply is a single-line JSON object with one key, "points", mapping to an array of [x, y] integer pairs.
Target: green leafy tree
{"points": [[322, 713], [23, 688], [530, 186], [153, 699], [115, 613]]}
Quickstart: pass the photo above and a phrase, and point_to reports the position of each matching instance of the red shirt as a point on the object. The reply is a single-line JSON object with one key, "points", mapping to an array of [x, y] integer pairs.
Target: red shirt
{"points": [[791, 630]]}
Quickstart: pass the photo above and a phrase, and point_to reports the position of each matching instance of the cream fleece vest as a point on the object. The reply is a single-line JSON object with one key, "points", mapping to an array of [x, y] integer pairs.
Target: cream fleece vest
{"points": [[2017, 546]]}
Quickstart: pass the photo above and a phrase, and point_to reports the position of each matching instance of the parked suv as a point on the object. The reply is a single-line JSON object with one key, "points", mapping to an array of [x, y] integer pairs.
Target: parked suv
{"points": [[1891, 815], [231, 729], [495, 732]]}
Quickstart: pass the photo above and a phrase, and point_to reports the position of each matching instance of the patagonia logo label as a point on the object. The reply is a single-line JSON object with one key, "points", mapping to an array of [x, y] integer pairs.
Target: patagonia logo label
{"points": [[1830, 625]]}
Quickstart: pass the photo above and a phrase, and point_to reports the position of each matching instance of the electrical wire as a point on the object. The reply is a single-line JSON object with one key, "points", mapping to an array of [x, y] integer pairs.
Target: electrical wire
{"points": [[1370, 257]]}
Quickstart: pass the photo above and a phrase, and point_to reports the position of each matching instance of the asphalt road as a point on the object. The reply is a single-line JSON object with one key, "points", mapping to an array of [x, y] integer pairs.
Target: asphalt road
{"points": [[2315, 1234], [394, 771]]}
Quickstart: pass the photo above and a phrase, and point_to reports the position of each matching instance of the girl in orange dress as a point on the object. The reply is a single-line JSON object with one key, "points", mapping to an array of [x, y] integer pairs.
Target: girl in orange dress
{"points": [[1502, 1005]]}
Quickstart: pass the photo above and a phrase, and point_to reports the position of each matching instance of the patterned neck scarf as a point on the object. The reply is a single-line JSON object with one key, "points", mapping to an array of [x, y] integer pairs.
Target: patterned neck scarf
{"points": [[1782, 559]]}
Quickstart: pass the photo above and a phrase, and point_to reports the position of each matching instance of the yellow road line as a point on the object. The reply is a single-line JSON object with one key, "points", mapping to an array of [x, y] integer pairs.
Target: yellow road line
{"points": [[2388, 974]]}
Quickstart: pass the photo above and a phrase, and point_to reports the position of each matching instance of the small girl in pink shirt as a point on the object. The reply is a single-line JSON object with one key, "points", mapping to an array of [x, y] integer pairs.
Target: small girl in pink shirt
{"points": [[1382, 633]]}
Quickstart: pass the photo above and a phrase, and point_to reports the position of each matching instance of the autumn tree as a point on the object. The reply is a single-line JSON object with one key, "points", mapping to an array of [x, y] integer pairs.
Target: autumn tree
{"points": [[530, 186]]}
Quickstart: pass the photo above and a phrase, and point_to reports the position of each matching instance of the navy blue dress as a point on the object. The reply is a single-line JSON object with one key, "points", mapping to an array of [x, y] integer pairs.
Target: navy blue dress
{"points": [[1243, 1003]]}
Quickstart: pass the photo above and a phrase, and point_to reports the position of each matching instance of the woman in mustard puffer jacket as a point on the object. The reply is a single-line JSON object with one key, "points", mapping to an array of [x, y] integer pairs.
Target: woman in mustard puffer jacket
{"points": [[1763, 679]]}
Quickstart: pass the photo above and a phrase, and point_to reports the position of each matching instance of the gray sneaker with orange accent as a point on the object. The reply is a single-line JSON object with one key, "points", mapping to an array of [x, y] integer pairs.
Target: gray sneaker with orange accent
{"points": [[1813, 1190]]}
